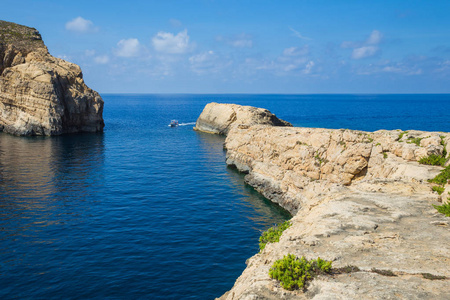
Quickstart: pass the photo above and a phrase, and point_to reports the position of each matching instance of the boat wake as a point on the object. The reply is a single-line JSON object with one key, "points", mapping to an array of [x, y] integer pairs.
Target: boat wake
{"points": [[186, 124]]}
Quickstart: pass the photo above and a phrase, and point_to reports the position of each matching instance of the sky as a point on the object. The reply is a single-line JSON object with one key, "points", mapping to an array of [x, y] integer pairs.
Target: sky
{"points": [[281, 47]]}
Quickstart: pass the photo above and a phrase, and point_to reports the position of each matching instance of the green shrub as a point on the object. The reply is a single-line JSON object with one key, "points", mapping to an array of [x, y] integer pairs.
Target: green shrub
{"points": [[414, 141], [293, 273], [401, 135], [442, 177], [438, 189], [433, 160], [443, 209], [273, 234], [385, 155]]}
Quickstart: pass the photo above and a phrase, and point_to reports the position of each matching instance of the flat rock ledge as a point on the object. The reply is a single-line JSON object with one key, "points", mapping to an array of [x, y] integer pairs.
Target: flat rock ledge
{"points": [[219, 118], [41, 94], [357, 198]]}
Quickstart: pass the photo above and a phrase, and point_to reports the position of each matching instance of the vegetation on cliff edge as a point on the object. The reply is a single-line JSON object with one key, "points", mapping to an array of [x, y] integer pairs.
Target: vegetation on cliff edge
{"points": [[443, 209], [273, 234]]}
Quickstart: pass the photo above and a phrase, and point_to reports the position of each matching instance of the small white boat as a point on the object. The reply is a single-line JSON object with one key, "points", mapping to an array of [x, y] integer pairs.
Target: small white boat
{"points": [[173, 123]]}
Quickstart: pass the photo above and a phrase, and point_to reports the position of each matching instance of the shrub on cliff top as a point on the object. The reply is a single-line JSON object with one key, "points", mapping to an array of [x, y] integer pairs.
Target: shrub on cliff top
{"points": [[442, 177], [443, 209], [294, 273], [273, 234], [433, 160]]}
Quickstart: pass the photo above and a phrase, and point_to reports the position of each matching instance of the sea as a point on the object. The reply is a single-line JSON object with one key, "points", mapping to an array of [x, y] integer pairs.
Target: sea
{"points": [[146, 211]]}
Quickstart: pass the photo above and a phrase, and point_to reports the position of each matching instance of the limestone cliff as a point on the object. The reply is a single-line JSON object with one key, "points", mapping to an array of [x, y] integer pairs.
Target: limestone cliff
{"points": [[219, 118], [357, 198], [41, 94]]}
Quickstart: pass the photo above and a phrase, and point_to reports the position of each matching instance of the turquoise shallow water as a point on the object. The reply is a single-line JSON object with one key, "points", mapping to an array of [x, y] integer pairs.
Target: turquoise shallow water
{"points": [[152, 212]]}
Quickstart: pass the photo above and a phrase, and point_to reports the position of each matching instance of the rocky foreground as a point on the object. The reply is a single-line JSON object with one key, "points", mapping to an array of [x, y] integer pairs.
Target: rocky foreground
{"points": [[357, 198], [41, 94]]}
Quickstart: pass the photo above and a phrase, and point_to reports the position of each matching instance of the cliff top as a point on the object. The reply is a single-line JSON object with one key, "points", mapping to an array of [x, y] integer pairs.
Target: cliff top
{"points": [[22, 37]]}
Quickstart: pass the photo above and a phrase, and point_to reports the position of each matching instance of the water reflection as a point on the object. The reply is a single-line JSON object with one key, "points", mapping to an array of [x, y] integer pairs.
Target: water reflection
{"points": [[266, 212], [41, 179], [40, 168]]}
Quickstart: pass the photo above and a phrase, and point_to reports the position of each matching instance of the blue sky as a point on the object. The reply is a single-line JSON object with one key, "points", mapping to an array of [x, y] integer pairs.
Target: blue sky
{"points": [[207, 46]]}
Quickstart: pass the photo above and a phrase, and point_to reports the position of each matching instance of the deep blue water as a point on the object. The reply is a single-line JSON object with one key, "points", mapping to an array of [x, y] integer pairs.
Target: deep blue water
{"points": [[152, 212]]}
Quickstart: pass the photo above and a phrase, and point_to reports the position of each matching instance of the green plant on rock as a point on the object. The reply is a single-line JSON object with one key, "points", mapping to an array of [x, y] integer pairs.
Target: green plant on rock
{"points": [[433, 160], [442, 177], [414, 141], [438, 189], [294, 273], [273, 234], [401, 135], [443, 209]]}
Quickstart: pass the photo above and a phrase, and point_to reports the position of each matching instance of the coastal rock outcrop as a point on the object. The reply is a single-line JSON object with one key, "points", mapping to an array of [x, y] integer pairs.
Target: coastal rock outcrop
{"points": [[357, 198], [219, 118], [41, 94]]}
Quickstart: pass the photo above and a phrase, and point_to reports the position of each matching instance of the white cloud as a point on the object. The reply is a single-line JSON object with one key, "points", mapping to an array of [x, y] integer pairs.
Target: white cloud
{"points": [[101, 59], [363, 52], [80, 25], [406, 67], [374, 38], [296, 51], [128, 48], [350, 44], [308, 67], [208, 62], [297, 34], [175, 22], [65, 57], [167, 42], [89, 52], [240, 41], [365, 49]]}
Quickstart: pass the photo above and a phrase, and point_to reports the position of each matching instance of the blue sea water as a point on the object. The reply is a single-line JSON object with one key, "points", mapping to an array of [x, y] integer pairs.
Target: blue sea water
{"points": [[145, 211]]}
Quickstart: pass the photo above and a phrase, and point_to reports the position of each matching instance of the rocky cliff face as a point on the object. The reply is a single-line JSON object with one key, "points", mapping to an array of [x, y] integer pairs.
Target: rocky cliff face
{"points": [[41, 94], [220, 118], [357, 198]]}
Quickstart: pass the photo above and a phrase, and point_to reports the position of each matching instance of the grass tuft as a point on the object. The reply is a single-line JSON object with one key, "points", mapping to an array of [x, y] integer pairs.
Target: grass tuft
{"points": [[433, 160], [443, 209], [273, 234], [414, 141], [442, 178], [401, 135], [438, 189]]}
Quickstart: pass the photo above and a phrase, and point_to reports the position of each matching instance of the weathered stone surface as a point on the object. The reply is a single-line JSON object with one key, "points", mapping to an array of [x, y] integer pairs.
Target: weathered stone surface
{"points": [[41, 94], [357, 198], [220, 118]]}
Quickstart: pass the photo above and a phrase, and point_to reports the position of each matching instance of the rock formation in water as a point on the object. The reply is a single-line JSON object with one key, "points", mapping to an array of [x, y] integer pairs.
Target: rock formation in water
{"points": [[357, 198], [41, 94], [220, 118]]}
